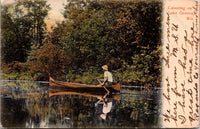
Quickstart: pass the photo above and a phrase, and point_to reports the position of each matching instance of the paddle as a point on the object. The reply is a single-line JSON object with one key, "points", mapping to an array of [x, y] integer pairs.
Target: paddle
{"points": [[102, 99], [103, 86]]}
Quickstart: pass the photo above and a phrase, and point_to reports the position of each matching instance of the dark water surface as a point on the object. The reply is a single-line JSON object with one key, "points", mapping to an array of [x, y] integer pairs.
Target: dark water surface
{"points": [[34, 104]]}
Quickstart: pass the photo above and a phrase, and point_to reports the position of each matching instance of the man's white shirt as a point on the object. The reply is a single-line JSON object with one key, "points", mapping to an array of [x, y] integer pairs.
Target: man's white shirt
{"points": [[108, 75]]}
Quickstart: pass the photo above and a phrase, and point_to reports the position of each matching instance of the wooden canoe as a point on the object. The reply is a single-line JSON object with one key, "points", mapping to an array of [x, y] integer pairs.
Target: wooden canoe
{"points": [[55, 92], [83, 87]]}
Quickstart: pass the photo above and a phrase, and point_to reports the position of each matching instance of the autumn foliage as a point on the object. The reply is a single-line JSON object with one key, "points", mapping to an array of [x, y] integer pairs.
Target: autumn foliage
{"points": [[49, 59]]}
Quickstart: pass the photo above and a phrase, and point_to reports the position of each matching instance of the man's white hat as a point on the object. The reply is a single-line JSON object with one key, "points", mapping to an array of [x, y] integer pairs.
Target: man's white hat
{"points": [[105, 67], [103, 116]]}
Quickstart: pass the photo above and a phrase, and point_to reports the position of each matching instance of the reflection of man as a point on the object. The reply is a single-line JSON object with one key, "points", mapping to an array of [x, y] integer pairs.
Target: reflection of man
{"points": [[106, 109], [107, 105]]}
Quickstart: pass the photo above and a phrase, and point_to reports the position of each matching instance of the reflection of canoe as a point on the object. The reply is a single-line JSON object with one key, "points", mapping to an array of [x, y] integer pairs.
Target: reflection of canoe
{"points": [[84, 87], [54, 92]]}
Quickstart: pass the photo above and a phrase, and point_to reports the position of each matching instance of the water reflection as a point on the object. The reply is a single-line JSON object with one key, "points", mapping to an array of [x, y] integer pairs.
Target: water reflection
{"points": [[107, 105], [33, 104]]}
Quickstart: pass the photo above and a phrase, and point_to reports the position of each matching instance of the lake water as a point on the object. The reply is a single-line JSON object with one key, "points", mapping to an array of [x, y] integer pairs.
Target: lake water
{"points": [[35, 105]]}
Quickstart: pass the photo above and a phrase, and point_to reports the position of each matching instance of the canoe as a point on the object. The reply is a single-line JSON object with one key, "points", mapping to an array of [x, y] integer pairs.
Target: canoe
{"points": [[83, 87], [56, 92]]}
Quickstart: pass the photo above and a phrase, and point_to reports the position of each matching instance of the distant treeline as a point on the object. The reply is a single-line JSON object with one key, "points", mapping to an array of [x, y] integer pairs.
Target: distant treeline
{"points": [[124, 35]]}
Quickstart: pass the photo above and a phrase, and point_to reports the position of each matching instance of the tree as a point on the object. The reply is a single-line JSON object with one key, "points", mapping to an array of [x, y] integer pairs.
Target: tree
{"points": [[15, 38], [49, 59], [7, 36], [124, 35], [22, 27], [90, 41], [36, 11], [74, 13]]}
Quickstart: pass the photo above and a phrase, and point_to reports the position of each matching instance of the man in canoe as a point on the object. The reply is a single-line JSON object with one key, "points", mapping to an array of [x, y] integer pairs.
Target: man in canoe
{"points": [[108, 77]]}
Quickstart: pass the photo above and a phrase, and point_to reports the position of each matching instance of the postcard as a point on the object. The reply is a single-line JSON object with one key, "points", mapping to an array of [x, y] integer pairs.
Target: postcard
{"points": [[99, 64]]}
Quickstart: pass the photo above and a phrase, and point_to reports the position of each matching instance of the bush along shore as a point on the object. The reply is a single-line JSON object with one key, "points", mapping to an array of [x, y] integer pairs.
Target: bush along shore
{"points": [[126, 77]]}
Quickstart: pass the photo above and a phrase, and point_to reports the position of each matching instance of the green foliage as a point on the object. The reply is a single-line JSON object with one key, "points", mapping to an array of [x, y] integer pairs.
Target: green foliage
{"points": [[89, 42], [124, 35], [119, 34], [13, 48], [89, 77], [146, 69], [84, 76], [24, 76], [22, 26], [10, 76]]}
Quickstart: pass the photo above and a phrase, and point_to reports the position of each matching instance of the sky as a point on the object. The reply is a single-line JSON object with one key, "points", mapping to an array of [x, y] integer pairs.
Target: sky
{"points": [[54, 14]]}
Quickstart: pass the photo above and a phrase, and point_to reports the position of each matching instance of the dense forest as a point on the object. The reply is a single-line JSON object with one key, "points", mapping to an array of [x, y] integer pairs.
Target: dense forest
{"points": [[124, 35]]}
